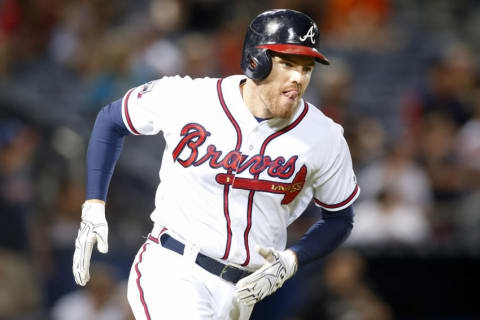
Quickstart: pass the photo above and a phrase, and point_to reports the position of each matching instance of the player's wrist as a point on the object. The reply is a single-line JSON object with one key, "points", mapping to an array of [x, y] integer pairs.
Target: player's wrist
{"points": [[95, 201], [93, 211], [291, 261]]}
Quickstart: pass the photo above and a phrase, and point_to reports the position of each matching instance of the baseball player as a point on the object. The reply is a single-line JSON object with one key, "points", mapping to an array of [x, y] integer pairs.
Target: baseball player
{"points": [[244, 157]]}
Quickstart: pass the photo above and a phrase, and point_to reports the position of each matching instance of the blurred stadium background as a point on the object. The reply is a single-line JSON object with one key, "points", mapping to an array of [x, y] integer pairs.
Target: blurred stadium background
{"points": [[404, 83]]}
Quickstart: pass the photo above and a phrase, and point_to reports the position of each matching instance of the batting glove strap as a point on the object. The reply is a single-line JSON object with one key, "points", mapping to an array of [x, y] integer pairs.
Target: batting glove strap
{"points": [[93, 229], [93, 212], [279, 266]]}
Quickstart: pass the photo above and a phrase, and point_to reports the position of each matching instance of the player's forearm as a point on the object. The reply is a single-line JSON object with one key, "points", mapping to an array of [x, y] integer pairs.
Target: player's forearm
{"points": [[324, 236], [104, 148]]}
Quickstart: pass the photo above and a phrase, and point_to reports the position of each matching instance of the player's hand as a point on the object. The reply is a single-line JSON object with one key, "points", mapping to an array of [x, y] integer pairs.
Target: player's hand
{"points": [[93, 228], [279, 266]]}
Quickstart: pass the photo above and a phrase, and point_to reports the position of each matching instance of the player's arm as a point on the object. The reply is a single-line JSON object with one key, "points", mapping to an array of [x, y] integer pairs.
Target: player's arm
{"points": [[335, 189], [321, 239], [104, 147], [324, 236]]}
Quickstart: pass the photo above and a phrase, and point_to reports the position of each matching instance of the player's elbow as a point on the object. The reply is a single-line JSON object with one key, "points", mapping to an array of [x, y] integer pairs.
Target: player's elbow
{"points": [[344, 219], [109, 118]]}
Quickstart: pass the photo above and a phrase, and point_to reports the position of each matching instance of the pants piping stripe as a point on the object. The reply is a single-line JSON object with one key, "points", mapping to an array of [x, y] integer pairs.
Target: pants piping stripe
{"points": [[139, 275]]}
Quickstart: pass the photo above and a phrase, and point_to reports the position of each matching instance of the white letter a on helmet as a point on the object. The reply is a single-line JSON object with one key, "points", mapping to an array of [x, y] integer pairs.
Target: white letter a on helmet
{"points": [[310, 35]]}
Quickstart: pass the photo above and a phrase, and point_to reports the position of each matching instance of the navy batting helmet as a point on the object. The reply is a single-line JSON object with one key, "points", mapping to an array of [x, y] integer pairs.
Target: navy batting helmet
{"points": [[283, 31]]}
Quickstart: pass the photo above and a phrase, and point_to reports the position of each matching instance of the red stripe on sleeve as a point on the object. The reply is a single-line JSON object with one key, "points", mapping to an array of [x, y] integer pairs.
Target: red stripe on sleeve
{"points": [[127, 115], [341, 204]]}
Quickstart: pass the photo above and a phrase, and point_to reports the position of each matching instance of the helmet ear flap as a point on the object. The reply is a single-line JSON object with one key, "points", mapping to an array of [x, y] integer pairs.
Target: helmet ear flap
{"points": [[265, 64], [256, 62], [259, 65]]}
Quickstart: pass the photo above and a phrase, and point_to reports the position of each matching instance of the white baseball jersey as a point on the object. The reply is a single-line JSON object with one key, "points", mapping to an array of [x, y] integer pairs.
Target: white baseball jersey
{"points": [[228, 182]]}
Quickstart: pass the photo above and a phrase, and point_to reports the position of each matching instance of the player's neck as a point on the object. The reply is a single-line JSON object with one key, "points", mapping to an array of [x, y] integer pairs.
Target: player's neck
{"points": [[252, 100]]}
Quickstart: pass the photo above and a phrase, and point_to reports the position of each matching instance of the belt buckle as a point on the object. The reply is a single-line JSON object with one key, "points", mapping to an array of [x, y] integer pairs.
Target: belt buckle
{"points": [[224, 270]]}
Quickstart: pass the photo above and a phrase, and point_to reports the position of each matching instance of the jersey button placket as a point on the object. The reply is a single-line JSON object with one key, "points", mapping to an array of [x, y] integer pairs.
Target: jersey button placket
{"points": [[252, 137]]}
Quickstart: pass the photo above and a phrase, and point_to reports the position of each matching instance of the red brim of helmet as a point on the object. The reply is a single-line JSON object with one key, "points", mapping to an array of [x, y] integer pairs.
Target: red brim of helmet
{"points": [[296, 49]]}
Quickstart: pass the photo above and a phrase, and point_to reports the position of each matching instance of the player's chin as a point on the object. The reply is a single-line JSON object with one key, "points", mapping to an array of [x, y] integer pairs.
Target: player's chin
{"points": [[285, 109]]}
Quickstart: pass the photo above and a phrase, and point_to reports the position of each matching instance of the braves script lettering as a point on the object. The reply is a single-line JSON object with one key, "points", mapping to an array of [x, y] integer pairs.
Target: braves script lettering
{"points": [[194, 135]]}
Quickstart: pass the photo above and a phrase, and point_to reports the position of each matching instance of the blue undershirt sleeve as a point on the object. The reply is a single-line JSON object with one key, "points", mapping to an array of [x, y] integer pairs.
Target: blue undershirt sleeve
{"points": [[324, 236], [104, 147]]}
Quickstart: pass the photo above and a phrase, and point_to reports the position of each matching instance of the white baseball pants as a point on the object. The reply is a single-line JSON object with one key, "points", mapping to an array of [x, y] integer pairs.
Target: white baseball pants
{"points": [[166, 285]]}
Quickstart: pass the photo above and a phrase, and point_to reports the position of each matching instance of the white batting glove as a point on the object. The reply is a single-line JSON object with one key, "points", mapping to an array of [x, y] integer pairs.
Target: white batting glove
{"points": [[279, 266], [93, 228]]}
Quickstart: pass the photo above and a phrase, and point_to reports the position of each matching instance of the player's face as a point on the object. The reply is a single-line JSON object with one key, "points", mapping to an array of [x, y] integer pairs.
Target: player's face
{"points": [[282, 90]]}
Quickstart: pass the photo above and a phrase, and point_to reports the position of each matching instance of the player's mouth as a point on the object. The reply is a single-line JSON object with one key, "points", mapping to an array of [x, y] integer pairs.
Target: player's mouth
{"points": [[291, 94]]}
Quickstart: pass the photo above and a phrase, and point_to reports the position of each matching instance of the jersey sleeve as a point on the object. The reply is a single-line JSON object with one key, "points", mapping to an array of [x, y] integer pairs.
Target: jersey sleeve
{"points": [[149, 108], [335, 185]]}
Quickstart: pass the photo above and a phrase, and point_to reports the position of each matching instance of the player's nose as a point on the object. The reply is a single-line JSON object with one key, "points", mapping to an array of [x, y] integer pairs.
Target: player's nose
{"points": [[298, 76]]}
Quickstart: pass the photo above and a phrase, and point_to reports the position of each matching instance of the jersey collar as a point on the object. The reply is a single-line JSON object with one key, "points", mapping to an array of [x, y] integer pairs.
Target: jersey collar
{"points": [[234, 101]]}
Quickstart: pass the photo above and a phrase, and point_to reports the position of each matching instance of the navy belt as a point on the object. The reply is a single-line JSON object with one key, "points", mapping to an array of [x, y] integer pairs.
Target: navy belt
{"points": [[226, 272]]}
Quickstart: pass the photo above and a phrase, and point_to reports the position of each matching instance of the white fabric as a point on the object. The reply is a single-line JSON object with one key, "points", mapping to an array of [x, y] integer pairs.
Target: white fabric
{"points": [[166, 285], [190, 201], [335, 181]]}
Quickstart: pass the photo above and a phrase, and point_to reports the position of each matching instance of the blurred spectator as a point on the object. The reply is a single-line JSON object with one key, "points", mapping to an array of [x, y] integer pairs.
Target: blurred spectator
{"points": [[55, 238], [448, 91], [398, 172], [198, 51], [18, 143], [147, 64], [102, 299], [20, 294], [436, 151], [467, 143], [107, 69], [74, 42], [156, 52], [71, 36], [366, 141], [19, 21], [10, 19], [229, 43], [345, 293], [168, 15], [387, 221], [357, 24], [467, 146], [335, 85], [65, 220], [467, 222]]}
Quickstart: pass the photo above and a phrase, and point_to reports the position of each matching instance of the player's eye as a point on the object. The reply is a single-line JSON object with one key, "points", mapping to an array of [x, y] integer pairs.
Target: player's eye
{"points": [[308, 69], [287, 64]]}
